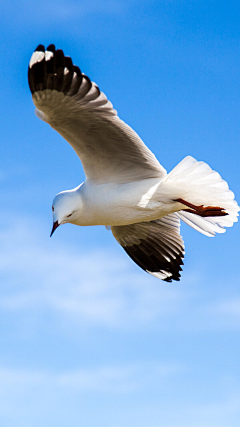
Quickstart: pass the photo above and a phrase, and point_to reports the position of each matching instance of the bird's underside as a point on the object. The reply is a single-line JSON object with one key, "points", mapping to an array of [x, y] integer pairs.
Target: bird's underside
{"points": [[111, 152]]}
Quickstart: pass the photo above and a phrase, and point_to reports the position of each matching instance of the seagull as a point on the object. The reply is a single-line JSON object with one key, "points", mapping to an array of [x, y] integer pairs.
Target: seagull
{"points": [[126, 188]]}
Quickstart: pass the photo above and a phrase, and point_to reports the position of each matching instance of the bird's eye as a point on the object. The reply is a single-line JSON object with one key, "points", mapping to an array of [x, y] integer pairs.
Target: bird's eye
{"points": [[69, 215], [53, 208]]}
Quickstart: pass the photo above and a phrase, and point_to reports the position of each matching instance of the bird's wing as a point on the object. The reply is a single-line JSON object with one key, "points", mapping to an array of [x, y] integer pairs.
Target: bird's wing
{"points": [[109, 149], [155, 246]]}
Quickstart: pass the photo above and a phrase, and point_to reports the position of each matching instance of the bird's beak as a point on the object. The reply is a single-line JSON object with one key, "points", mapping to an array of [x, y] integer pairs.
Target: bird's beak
{"points": [[55, 225]]}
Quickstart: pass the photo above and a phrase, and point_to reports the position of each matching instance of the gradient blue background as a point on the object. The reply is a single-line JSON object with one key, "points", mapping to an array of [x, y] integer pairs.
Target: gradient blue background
{"points": [[87, 338]]}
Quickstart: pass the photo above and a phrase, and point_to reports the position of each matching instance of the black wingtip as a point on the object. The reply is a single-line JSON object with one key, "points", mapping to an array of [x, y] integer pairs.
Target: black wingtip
{"points": [[50, 69], [36, 69], [51, 48], [40, 48]]}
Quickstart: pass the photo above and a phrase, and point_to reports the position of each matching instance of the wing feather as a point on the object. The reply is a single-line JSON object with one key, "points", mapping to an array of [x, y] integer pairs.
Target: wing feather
{"points": [[155, 246], [65, 98]]}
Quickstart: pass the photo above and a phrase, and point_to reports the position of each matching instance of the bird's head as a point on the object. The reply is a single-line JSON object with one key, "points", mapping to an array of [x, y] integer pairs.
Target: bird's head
{"points": [[66, 207]]}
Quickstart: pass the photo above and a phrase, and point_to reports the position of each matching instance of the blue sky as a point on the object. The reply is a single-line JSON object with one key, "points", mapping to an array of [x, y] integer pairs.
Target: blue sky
{"points": [[87, 338]]}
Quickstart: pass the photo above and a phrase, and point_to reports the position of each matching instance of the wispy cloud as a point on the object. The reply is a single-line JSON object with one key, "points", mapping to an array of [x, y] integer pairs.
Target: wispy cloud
{"points": [[104, 379], [35, 393], [228, 307], [224, 314], [100, 289], [92, 287], [97, 287]]}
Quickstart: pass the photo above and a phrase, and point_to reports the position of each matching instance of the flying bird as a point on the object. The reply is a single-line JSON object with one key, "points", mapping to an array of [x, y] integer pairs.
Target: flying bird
{"points": [[126, 188]]}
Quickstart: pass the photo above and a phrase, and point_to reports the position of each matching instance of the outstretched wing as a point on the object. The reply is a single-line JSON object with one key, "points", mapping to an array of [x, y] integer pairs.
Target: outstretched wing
{"points": [[155, 246], [109, 149]]}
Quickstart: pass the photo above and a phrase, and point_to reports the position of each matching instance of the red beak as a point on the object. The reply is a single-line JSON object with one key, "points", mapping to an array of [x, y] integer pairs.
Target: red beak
{"points": [[55, 225]]}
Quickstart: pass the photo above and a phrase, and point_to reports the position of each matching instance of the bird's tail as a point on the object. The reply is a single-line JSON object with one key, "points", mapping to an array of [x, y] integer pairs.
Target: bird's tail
{"points": [[209, 205]]}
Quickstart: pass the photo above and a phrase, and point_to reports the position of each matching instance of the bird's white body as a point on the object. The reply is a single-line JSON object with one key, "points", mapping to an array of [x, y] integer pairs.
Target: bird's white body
{"points": [[122, 204], [126, 187]]}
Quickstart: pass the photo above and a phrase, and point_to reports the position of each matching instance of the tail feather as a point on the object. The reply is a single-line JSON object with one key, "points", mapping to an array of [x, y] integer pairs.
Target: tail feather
{"points": [[200, 185], [208, 226]]}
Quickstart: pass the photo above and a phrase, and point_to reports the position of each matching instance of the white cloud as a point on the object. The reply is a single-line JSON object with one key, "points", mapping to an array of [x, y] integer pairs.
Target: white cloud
{"points": [[94, 287], [34, 393], [103, 379], [228, 307], [224, 314], [97, 287]]}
